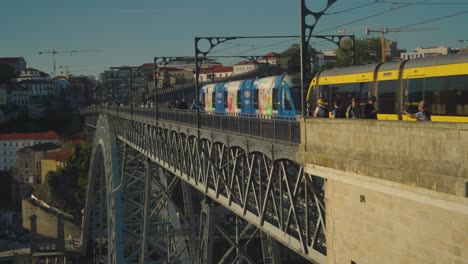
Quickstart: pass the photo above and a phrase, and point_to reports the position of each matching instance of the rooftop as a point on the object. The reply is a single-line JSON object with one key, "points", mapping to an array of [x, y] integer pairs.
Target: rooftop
{"points": [[41, 147], [34, 136]]}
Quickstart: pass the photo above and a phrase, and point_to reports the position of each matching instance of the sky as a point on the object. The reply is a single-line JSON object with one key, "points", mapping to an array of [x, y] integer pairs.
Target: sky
{"points": [[120, 32]]}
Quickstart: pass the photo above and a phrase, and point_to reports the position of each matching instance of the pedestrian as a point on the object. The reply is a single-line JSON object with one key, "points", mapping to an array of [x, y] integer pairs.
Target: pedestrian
{"points": [[321, 111], [422, 115], [194, 105], [183, 105], [354, 110], [309, 111], [370, 112], [338, 111]]}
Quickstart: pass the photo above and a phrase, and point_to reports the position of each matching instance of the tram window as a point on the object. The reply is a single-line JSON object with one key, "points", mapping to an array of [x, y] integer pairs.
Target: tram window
{"points": [[239, 99], [413, 93], [387, 96], [225, 99], [324, 94], [275, 99], [296, 94], [344, 92], [447, 95], [255, 99]]}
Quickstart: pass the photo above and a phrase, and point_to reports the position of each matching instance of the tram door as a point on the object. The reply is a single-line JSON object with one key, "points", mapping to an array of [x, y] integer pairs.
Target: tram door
{"points": [[247, 97], [413, 93]]}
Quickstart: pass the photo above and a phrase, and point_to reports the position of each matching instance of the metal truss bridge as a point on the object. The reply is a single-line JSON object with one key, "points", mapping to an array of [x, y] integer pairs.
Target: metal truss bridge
{"points": [[186, 187]]}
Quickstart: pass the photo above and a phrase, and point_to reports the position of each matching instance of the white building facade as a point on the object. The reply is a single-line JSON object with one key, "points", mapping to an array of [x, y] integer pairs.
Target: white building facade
{"points": [[32, 74], [11, 143], [245, 67]]}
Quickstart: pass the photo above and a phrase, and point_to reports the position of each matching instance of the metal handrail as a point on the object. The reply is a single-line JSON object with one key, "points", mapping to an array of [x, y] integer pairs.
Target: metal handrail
{"points": [[284, 129]]}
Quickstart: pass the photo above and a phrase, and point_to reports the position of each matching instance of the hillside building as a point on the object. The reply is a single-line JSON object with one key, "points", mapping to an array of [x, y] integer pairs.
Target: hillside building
{"points": [[11, 143]]}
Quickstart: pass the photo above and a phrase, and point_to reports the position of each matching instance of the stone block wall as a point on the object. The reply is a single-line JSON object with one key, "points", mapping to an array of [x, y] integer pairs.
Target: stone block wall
{"points": [[374, 221], [428, 155], [47, 222]]}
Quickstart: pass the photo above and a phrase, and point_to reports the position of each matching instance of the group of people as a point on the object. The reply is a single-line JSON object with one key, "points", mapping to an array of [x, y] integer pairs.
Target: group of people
{"points": [[354, 110], [183, 105]]}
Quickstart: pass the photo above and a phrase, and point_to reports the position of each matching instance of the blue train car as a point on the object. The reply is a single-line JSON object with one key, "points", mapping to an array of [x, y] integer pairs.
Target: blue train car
{"points": [[270, 97]]}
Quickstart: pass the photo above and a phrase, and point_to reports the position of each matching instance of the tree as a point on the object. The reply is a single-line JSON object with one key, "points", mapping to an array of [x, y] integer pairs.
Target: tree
{"points": [[79, 161], [66, 187], [6, 73], [368, 51], [293, 54]]}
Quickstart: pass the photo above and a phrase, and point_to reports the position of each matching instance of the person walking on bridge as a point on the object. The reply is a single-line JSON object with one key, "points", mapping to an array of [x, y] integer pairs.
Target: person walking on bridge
{"points": [[422, 115], [321, 110], [354, 110]]}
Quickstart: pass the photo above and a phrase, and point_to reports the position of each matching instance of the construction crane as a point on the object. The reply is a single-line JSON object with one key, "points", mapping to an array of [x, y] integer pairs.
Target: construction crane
{"points": [[384, 31], [53, 52], [343, 31], [69, 67]]}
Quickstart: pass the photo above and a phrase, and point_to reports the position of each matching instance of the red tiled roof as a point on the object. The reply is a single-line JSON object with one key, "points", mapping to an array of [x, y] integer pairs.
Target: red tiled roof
{"points": [[61, 155], [147, 65], [37, 136], [247, 63], [272, 54], [218, 69]]}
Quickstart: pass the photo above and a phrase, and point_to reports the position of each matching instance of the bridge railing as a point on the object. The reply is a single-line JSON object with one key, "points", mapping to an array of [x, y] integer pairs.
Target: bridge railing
{"points": [[278, 128]]}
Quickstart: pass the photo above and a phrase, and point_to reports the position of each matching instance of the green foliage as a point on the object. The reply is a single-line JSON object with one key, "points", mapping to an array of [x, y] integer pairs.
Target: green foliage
{"points": [[368, 51], [293, 54], [80, 160], [66, 187]]}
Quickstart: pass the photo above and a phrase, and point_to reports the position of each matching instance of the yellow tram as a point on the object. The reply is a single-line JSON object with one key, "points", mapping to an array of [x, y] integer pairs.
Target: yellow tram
{"points": [[442, 82]]}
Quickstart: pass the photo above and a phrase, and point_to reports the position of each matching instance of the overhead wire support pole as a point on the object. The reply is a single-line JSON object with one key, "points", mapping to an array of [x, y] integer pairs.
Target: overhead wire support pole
{"points": [[307, 29]]}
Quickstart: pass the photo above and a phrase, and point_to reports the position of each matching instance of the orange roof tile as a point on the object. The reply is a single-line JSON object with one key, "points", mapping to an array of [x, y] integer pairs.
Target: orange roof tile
{"points": [[37, 136]]}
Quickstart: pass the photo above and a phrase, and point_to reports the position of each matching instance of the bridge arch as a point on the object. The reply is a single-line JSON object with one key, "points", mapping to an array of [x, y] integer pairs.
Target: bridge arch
{"points": [[104, 167]]}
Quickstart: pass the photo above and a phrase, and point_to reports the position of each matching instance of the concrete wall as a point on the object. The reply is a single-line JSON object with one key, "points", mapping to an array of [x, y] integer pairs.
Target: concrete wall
{"points": [[395, 192], [375, 221], [428, 155], [47, 222]]}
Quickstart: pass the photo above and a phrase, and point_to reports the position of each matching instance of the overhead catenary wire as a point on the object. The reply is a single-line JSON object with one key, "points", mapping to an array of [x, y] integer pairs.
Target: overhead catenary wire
{"points": [[351, 9], [393, 8], [439, 3], [434, 19], [252, 47]]}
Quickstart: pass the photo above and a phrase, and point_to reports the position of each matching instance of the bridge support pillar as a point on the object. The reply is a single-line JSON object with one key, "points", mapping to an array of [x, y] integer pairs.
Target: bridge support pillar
{"points": [[60, 242], [181, 252], [146, 211], [207, 225], [191, 219], [270, 249]]}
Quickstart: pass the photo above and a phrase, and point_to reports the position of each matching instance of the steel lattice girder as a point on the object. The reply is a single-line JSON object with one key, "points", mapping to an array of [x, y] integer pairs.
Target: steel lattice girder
{"points": [[273, 194], [115, 206]]}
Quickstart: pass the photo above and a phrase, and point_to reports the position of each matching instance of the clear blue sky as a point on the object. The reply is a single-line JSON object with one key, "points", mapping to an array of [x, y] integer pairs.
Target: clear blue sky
{"points": [[123, 32]]}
